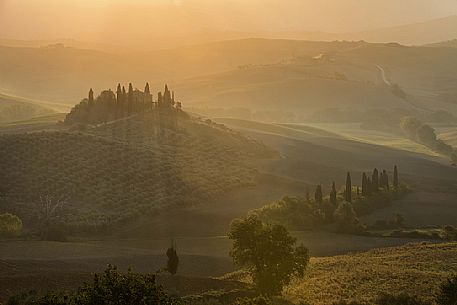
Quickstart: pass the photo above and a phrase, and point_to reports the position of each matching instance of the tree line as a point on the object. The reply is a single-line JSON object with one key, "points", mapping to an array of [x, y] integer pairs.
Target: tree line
{"points": [[109, 106], [370, 185], [424, 134]]}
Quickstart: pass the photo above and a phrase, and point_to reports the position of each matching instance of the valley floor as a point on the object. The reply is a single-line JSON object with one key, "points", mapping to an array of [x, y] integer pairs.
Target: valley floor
{"points": [[415, 268]]}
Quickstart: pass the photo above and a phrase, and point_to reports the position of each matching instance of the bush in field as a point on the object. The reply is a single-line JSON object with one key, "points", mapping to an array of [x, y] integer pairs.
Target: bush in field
{"points": [[346, 218], [292, 212], [10, 225], [108, 288], [268, 252], [447, 294]]}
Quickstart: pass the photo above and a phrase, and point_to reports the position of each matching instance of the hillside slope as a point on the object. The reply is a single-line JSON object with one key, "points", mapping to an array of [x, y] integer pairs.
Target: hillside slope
{"points": [[298, 87], [117, 172], [415, 269], [15, 109]]}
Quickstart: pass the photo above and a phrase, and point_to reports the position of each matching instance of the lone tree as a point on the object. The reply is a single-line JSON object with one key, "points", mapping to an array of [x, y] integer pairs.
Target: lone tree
{"points": [[173, 260], [395, 177], [348, 192], [318, 194], [268, 252], [333, 194]]}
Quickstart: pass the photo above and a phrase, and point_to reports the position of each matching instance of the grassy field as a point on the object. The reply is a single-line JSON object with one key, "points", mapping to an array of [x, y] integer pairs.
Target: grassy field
{"points": [[355, 132], [416, 269]]}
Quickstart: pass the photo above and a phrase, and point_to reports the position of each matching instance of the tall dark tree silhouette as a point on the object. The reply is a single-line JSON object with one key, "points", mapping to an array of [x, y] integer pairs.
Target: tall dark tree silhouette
{"points": [[173, 260], [130, 100], [348, 191], [364, 184], [385, 179], [146, 89], [375, 181], [318, 194], [369, 186], [395, 177], [333, 194], [91, 98], [120, 102]]}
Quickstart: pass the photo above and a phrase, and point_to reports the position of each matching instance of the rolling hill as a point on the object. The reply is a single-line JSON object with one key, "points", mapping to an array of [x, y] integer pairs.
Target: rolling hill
{"points": [[114, 173], [222, 72], [295, 88], [17, 109], [233, 72]]}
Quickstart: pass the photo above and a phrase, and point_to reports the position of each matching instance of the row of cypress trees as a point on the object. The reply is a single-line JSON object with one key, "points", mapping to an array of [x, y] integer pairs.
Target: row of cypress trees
{"points": [[370, 185], [110, 106]]}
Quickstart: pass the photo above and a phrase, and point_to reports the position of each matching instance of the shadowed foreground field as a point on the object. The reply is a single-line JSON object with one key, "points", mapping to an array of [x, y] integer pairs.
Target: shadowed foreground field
{"points": [[415, 269]]}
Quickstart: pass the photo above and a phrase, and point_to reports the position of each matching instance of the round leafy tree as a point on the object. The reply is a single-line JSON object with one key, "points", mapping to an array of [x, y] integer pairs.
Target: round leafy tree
{"points": [[268, 252]]}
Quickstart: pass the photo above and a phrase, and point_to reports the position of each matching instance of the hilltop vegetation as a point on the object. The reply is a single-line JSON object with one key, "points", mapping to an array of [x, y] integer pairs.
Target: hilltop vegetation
{"points": [[115, 172]]}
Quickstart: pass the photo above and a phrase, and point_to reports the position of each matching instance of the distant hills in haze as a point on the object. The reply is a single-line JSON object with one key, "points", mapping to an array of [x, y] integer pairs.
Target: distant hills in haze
{"points": [[420, 33], [293, 75]]}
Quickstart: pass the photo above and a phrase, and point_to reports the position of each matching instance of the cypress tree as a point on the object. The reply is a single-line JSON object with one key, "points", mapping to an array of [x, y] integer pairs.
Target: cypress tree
{"points": [[369, 186], [173, 260], [130, 100], [318, 194], [375, 181], [167, 96], [395, 177], [386, 179], [119, 104], [91, 97], [333, 195], [146, 89], [364, 185], [348, 192]]}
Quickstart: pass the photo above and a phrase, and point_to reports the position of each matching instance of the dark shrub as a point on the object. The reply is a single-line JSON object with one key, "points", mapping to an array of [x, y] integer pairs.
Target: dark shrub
{"points": [[447, 294], [400, 299], [108, 288]]}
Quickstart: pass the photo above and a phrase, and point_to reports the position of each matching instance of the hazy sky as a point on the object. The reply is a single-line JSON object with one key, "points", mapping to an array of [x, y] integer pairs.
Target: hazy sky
{"points": [[96, 19]]}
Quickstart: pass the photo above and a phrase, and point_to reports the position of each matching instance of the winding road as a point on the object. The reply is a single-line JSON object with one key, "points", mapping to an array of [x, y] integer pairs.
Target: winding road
{"points": [[383, 75]]}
